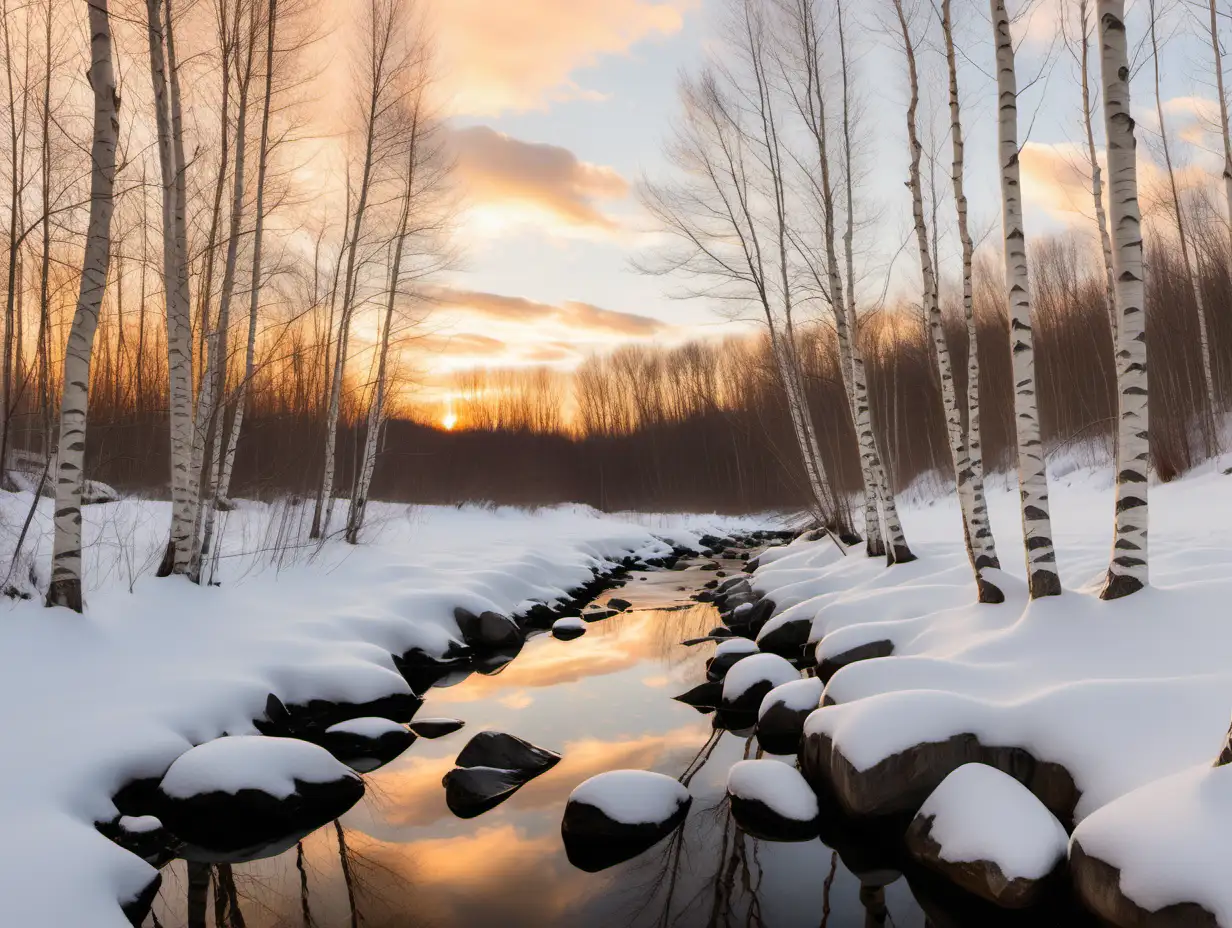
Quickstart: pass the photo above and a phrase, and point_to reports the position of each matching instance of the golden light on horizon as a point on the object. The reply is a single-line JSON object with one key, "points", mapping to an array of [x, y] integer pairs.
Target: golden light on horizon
{"points": [[449, 420]]}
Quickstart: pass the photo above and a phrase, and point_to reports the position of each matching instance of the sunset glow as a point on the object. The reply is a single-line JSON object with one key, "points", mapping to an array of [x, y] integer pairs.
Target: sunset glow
{"points": [[449, 420]]}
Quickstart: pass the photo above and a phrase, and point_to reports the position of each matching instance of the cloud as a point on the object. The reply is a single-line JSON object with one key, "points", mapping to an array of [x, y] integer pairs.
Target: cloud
{"points": [[466, 343], [517, 56], [496, 169], [576, 316]]}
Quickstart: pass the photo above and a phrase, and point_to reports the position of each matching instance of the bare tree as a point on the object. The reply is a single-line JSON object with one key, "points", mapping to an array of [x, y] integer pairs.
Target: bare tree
{"points": [[1128, 571], [66, 579], [1217, 52]]}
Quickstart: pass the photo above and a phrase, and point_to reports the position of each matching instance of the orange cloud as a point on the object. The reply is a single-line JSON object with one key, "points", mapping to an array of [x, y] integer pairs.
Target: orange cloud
{"points": [[502, 56], [495, 168], [572, 315]]}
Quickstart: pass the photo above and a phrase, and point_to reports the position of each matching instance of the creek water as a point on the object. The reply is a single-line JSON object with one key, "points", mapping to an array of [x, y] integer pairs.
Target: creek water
{"points": [[604, 702]]}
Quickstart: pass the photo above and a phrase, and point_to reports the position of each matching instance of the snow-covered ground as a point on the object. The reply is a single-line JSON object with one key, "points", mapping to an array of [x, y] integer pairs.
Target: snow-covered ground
{"points": [[1121, 694], [155, 667]]}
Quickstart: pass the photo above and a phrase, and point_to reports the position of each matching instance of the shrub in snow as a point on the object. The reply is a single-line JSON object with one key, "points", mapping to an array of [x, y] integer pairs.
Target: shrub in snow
{"points": [[236, 795], [365, 744], [748, 682], [727, 654], [771, 800], [488, 630], [986, 832], [617, 815], [498, 749], [780, 719], [471, 791], [435, 728], [568, 628]]}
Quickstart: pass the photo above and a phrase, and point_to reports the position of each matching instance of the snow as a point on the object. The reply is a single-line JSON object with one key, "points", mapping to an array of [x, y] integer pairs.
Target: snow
{"points": [[270, 765], [980, 813], [632, 797], [156, 666], [1121, 694], [755, 669], [797, 695], [735, 646], [570, 623], [1170, 839], [139, 824], [365, 728], [775, 784]]}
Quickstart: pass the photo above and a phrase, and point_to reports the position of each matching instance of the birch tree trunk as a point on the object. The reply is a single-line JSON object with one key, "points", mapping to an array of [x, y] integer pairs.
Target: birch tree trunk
{"points": [[981, 529], [175, 285], [1042, 576], [66, 579], [254, 292], [1097, 184], [1192, 277], [898, 551], [988, 591], [1128, 570]]}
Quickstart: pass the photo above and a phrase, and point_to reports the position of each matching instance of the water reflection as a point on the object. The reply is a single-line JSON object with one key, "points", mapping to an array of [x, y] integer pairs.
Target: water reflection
{"points": [[603, 701]]}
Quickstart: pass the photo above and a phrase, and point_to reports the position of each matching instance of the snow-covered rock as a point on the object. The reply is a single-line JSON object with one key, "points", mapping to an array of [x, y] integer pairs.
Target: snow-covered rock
{"points": [[986, 832], [1158, 855], [771, 800], [506, 752], [235, 794], [727, 654], [785, 634], [619, 814], [435, 728], [783, 710], [367, 743], [568, 628], [748, 682]]}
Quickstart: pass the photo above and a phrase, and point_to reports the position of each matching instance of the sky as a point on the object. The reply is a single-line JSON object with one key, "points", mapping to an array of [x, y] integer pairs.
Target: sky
{"points": [[560, 106]]}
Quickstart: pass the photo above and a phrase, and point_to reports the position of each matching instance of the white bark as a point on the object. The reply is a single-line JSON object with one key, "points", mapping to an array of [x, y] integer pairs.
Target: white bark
{"points": [[1042, 576], [981, 531], [66, 580], [1128, 570], [988, 592]]}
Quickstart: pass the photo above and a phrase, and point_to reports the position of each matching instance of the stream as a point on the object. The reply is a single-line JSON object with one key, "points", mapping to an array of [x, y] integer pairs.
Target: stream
{"points": [[603, 701]]}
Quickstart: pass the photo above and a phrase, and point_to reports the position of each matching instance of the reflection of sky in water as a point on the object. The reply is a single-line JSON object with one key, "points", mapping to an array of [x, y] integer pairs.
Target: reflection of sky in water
{"points": [[603, 701]]}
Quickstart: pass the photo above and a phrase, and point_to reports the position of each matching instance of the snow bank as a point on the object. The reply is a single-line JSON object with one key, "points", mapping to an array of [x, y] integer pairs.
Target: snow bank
{"points": [[156, 666], [980, 813]]}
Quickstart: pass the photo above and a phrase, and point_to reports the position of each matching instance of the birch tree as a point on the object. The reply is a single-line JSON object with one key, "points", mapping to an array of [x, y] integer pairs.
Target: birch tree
{"points": [[1128, 570], [1042, 576], [980, 527], [1222, 100], [66, 571], [1193, 278], [977, 549]]}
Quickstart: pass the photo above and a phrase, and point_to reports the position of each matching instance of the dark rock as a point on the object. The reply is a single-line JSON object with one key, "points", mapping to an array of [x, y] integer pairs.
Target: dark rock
{"points": [[568, 629], [594, 841], [297, 720], [497, 749], [712, 565], [144, 836], [727, 656], [981, 877], [597, 615], [488, 630], [759, 820], [704, 697], [620, 605], [364, 751], [770, 800], [1098, 885], [423, 671], [703, 596], [830, 665], [788, 638], [720, 631], [743, 691], [435, 728], [780, 727], [710, 584], [720, 573], [471, 791], [710, 541], [494, 662], [899, 784]]}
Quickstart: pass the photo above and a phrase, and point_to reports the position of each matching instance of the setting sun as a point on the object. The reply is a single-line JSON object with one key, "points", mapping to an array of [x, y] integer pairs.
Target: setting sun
{"points": [[449, 420]]}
